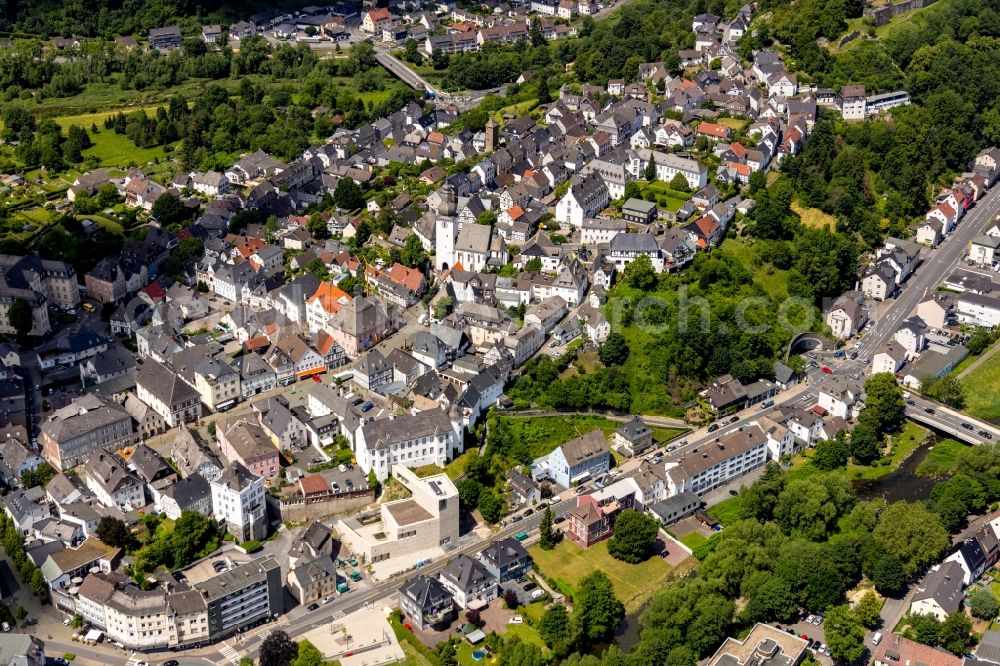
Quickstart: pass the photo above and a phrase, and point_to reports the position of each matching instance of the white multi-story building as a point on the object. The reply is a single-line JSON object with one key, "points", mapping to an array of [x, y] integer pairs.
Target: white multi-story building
{"points": [[425, 438], [669, 165], [167, 394], [238, 503], [710, 465], [587, 196], [600, 230], [853, 102], [112, 484], [422, 523]]}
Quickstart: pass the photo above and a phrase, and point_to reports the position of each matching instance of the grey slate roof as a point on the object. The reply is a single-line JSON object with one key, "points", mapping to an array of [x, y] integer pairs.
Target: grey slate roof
{"points": [[165, 384], [386, 432]]}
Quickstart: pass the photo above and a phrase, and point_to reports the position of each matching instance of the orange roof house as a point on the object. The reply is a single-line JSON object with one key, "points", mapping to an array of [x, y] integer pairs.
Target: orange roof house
{"points": [[330, 297], [713, 130]]}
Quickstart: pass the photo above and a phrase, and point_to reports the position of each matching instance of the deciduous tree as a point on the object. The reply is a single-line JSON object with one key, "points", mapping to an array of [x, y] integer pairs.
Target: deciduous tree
{"points": [[867, 610], [634, 535], [19, 316], [597, 610], [984, 604], [615, 350], [844, 635], [277, 649]]}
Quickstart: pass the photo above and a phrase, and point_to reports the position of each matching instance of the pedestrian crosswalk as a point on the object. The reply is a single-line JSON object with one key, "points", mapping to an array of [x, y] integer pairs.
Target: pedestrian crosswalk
{"points": [[229, 653]]}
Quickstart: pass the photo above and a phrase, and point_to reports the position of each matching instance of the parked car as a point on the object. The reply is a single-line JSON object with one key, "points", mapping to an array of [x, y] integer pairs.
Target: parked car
{"points": [[559, 519], [713, 427], [538, 594], [555, 499], [517, 619], [516, 517], [528, 512], [312, 607]]}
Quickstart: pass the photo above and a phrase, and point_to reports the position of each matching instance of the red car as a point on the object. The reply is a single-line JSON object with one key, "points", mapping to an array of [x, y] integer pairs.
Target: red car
{"points": [[317, 379], [826, 370]]}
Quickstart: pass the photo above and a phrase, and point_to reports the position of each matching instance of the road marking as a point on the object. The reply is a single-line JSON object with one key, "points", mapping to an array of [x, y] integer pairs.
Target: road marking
{"points": [[229, 653]]}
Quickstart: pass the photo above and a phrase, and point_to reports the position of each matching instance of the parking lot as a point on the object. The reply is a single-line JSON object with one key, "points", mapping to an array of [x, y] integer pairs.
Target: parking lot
{"points": [[810, 627]]}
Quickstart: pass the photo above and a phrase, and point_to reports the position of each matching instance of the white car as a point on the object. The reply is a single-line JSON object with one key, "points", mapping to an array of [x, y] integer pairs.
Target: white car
{"points": [[517, 619], [555, 499], [327, 600], [537, 594]]}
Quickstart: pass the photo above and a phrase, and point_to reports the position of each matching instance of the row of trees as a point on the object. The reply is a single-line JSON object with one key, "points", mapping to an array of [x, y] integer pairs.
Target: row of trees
{"points": [[27, 572]]}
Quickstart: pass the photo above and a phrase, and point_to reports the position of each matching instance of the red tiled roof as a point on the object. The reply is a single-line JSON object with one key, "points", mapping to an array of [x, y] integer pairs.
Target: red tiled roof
{"points": [[154, 291], [313, 483], [410, 278], [258, 342], [329, 296], [712, 129]]}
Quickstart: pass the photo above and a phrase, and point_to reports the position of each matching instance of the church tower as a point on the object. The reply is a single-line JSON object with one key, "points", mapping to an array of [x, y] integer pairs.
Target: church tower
{"points": [[492, 135], [447, 229]]}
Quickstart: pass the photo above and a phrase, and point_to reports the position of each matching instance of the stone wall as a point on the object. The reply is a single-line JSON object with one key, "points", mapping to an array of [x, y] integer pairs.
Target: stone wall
{"points": [[884, 13], [295, 509]]}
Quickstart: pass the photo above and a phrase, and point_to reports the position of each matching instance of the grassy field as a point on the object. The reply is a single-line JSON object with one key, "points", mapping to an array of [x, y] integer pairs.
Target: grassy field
{"points": [[893, 26], [413, 658], [942, 458], [544, 433], [774, 281], [692, 540], [112, 149], [666, 197], [982, 389], [518, 109], [567, 563], [454, 469], [736, 124], [814, 217]]}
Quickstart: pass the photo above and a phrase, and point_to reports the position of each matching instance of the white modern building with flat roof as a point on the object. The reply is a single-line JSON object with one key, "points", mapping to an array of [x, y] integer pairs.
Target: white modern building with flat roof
{"points": [[407, 529]]}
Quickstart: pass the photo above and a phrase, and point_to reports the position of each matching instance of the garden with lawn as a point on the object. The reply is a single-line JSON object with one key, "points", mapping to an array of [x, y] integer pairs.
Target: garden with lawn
{"points": [[982, 389], [568, 563]]}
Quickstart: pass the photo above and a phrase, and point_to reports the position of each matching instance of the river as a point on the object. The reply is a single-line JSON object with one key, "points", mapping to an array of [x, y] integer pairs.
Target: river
{"points": [[902, 483]]}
